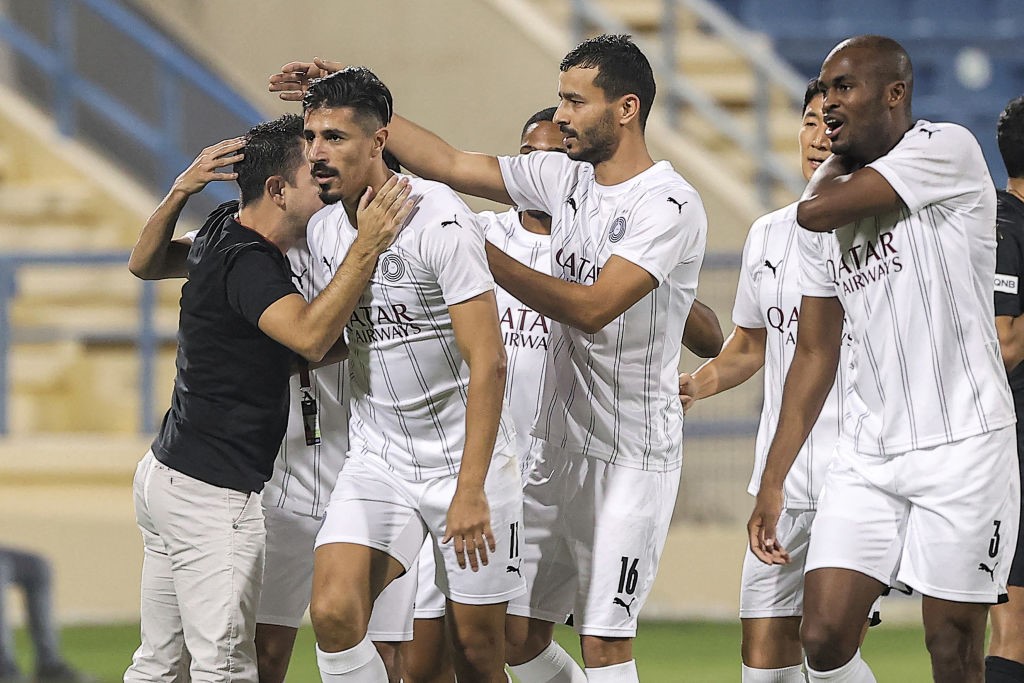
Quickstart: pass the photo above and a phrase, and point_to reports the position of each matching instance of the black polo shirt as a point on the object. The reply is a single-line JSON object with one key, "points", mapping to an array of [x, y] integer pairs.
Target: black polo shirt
{"points": [[1010, 271], [229, 409]]}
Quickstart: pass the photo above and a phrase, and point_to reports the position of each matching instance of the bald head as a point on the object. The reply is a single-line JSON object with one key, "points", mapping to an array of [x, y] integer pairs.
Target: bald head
{"points": [[882, 58], [866, 85]]}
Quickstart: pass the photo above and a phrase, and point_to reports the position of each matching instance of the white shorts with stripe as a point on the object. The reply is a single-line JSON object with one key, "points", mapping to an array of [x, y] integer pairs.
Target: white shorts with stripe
{"points": [[777, 590], [374, 507], [940, 520], [592, 539], [288, 580]]}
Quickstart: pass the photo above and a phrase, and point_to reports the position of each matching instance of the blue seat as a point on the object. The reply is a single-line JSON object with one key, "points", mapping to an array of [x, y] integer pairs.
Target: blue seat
{"points": [[785, 18]]}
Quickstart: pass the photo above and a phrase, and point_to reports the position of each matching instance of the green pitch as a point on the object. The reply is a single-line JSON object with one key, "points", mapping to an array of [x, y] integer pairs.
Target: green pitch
{"points": [[666, 652]]}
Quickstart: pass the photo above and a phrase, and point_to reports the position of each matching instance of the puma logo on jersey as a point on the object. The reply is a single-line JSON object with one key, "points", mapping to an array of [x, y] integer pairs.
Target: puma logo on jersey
{"points": [[673, 200], [572, 203], [930, 132], [453, 221], [326, 262], [509, 569], [299, 276], [768, 264], [625, 606], [982, 567]]}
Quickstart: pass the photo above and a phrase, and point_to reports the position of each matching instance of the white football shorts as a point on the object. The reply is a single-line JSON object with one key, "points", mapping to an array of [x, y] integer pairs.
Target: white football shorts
{"points": [[430, 603], [288, 580], [592, 539], [777, 590], [940, 520], [374, 507]]}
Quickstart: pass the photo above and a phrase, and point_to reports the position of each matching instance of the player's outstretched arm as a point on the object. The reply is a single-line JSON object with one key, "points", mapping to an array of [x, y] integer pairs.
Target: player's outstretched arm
{"points": [[428, 156], [156, 256], [475, 323], [839, 194], [586, 307], [742, 355], [702, 334], [419, 150], [311, 329], [819, 338]]}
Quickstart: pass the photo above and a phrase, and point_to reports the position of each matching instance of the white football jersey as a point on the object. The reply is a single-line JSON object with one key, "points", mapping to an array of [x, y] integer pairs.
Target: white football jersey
{"points": [[525, 332], [613, 394], [304, 476], [409, 380], [917, 288], [768, 296]]}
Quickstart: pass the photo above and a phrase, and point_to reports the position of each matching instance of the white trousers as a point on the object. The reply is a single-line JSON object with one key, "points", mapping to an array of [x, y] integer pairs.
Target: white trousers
{"points": [[201, 577]]}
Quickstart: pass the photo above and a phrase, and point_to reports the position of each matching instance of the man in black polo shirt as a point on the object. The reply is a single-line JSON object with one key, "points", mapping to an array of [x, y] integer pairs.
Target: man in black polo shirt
{"points": [[1005, 663], [197, 492]]}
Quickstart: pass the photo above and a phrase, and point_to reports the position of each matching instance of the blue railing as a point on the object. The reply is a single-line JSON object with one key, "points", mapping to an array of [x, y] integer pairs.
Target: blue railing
{"points": [[145, 336], [71, 91], [50, 37]]}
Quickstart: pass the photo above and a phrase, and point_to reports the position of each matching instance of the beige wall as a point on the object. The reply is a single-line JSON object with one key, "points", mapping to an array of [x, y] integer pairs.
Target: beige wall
{"points": [[460, 67]]}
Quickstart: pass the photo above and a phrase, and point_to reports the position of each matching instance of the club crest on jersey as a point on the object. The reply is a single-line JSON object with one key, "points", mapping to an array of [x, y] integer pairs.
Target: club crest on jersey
{"points": [[618, 229], [392, 268]]}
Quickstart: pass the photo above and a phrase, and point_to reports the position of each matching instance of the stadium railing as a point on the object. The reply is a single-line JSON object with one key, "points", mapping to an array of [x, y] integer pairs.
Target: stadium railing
{"points": [[144, 336], [770, 71], [137, 101]]}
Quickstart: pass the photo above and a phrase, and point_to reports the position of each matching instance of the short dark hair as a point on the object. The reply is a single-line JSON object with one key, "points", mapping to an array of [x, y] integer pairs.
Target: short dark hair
{"points": [[271, 148], [541, 116], [622, 69], [812, 91], [1010, 136], [355, 87]]}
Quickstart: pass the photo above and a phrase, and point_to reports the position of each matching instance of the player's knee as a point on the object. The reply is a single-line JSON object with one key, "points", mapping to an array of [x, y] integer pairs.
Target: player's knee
{"points": [[391, 655], [828, 644], [523, 644], [339, 619], [272, 665], [426, 668], [599, 651], [482, 650], [954, 646]]}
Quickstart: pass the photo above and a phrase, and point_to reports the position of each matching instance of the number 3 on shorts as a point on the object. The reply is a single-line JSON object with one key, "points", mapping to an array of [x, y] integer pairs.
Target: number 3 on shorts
{"points": [[993, 544]]}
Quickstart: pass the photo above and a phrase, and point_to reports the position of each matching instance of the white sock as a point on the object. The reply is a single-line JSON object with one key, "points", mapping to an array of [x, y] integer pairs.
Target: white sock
{"points": [[854, 671], [616, 673], [789, 674], [360, 664], [552, 665]]}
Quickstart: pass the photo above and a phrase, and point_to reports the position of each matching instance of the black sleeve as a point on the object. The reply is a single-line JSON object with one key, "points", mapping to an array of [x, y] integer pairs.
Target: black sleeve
{"points": [[254, 280]]}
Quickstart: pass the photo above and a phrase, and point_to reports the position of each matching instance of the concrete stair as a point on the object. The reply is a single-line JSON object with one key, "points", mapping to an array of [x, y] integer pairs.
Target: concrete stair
{"points": [[73, 365]]}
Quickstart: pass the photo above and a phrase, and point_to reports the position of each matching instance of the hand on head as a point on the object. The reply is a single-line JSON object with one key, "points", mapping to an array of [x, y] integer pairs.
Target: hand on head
{"points": [[291, 83], [204, 169]]}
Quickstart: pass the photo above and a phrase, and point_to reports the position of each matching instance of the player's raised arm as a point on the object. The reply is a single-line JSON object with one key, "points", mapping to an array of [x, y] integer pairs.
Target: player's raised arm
{"points": [[837, 196], [428, 156], [312, 329], [156, 256], [419, 150]]}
